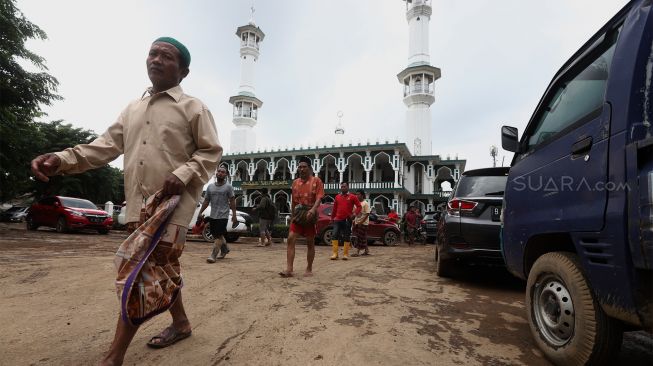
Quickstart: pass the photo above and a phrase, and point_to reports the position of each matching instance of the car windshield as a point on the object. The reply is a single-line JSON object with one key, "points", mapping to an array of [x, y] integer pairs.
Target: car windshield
{"points": [[77, 203], [15, 209], [429, 217], [481, 186]]}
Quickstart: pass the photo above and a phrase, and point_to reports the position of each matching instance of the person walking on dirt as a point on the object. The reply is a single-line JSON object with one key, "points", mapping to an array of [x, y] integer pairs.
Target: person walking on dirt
{"points": [[307, 193], [266, 213], [411, 219], [170, 146], [222, 199], [361, 223], [342, 215]]}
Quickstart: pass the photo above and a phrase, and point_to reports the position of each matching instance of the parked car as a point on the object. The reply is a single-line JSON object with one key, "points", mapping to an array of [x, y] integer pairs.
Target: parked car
{"points": [[233, 233], [583, 238], [379, 229], [67, 213], [470, 228], [14, 214], [429, 225], [122, 216]]}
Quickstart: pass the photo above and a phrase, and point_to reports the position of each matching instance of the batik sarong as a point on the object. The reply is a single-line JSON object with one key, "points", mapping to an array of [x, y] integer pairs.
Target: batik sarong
{"points": [[360, 232], [149, 273]]}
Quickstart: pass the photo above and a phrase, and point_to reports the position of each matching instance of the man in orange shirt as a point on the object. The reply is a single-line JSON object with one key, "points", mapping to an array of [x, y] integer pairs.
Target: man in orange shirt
{"points": [[307, 193], [342, 215]]}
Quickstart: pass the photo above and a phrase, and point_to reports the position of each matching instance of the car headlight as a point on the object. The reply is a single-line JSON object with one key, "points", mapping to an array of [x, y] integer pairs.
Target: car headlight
{"points": [[75, 213]]}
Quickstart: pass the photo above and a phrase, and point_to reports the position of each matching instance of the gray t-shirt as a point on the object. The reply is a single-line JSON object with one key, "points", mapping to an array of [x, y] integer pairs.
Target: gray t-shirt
{"points": [[218, 197]]}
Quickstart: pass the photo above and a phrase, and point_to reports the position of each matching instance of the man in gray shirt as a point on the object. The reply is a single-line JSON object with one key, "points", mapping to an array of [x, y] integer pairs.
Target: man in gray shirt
{"points": [[221, 197]]}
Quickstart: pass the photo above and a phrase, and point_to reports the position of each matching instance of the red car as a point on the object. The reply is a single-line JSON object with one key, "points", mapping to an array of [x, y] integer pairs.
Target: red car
{"points": [[378, 229], [66, 213]]}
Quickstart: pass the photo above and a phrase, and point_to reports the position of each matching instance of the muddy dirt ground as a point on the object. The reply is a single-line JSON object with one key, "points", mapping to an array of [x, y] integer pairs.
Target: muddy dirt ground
{"points": [[59, 308]]}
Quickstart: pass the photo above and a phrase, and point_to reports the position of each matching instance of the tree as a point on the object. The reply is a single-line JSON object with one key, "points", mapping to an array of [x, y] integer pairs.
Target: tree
{"points": [[23, 93], [98, 185]]}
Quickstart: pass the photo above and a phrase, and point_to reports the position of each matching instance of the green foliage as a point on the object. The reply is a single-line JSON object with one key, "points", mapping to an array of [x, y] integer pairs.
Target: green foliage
{"points": [[278, 231], [99, 185], [22, 92], [21, 139]]}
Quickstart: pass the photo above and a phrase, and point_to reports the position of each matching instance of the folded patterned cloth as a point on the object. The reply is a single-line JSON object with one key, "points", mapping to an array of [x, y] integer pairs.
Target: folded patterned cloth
{"points": [[148, 279]]}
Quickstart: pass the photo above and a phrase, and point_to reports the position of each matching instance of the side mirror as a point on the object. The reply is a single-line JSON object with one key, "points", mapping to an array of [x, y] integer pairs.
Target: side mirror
{"points": [[510, 138]]}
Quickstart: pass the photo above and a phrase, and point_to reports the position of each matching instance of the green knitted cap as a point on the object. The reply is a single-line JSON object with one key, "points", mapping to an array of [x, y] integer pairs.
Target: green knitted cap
{"points": [[183, 51]]}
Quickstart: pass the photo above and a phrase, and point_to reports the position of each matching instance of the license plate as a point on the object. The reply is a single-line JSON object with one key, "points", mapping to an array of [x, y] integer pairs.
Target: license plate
{"points": [[495, 213]]}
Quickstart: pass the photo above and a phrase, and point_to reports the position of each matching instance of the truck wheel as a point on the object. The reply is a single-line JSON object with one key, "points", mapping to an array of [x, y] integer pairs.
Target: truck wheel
{"points": [[62, 227], [443, 267], [206, 233], [566, 321]]}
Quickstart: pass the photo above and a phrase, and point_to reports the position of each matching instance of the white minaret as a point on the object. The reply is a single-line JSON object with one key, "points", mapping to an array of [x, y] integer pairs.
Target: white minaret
{"points": [[246, 104], [418, 78]]}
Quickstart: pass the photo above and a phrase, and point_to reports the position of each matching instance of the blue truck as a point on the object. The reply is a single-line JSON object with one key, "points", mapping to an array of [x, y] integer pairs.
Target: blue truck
{"points": [[578, 206]]}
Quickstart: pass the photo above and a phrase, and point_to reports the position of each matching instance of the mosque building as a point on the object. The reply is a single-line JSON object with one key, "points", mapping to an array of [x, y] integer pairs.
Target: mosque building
{"points": [[394, 174]]}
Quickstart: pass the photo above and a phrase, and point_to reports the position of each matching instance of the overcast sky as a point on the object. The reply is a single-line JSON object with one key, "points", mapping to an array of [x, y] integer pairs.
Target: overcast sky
{"points": [[319, 57]]}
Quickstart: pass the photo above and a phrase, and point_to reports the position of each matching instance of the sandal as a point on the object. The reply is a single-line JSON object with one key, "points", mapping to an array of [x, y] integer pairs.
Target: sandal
{"points": [[168, 337]]}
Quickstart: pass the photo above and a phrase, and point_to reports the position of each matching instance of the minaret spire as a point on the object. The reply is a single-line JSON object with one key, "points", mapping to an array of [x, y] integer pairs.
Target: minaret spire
{"points": [[418, 78], [246, 104]]}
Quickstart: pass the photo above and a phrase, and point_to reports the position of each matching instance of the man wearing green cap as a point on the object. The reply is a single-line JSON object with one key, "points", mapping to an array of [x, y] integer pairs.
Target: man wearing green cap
{"points": [[170, 146]]}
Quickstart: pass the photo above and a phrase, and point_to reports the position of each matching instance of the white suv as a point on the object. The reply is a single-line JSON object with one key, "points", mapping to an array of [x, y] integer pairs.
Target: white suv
{"points": [[233, 233]]}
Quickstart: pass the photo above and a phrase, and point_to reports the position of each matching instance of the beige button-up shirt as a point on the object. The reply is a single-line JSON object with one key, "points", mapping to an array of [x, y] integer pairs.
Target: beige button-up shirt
{"points": [[162, 133]]}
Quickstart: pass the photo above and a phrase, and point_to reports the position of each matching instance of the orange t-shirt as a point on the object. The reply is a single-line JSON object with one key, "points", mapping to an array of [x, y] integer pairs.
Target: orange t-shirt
{"points": [[306, 193]]}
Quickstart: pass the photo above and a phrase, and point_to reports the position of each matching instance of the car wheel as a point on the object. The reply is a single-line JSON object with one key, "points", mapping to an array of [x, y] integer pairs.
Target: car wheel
{"points": [[31, 225], [443, 267], [103, 231], [327, 234], [206, 233], [430, 240], [566, 321], [231, 238], [390, 237], [61, 227]]}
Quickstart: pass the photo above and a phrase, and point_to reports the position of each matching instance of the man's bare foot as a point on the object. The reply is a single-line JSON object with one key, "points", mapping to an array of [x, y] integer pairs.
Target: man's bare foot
{"points": [[286, 274], [308, 274]]}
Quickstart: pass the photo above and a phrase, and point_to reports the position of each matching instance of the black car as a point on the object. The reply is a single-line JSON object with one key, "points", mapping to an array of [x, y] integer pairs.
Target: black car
{"points": [[14, 214], [430, 225], [469, 229]]}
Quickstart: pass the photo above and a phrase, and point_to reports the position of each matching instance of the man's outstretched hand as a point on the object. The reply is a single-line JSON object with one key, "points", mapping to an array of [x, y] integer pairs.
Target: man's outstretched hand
{"points": [[44, 166], [173, 185]]}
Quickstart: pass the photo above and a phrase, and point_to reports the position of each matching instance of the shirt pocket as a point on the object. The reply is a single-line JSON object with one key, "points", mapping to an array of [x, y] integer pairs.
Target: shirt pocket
{"points": [[175, 137]]}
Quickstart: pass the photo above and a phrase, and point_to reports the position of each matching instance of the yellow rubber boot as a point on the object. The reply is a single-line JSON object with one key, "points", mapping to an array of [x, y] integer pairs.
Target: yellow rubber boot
{"points": [[334, 245], [345, 252]]}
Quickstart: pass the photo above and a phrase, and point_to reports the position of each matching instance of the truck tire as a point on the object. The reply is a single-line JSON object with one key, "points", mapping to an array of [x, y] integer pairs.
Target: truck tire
{"points": [[443, 267], [566, 321]]}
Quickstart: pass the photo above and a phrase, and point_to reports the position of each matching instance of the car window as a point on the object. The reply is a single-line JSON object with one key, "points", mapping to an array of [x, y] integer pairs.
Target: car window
{"points": [[575, 96], [327, 211], [77, 203], [428, 217], [481, 186]]}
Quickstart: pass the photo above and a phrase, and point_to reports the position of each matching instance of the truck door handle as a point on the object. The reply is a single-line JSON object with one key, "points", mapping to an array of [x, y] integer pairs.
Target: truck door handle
{"points": [[581, 146]]}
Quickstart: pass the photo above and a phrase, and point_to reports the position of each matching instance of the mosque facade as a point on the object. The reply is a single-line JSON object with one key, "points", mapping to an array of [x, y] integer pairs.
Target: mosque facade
{"points": [[393, 174]]}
